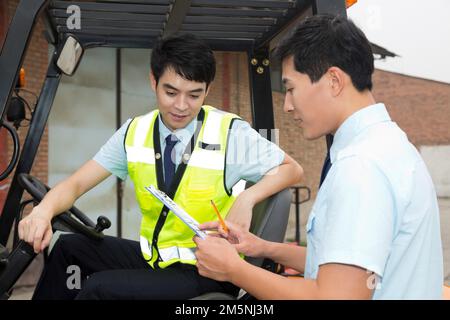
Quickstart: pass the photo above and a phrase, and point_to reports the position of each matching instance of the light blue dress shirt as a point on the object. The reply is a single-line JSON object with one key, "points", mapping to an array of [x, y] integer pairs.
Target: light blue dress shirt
{"points": [[377, 209], [249, 155]]}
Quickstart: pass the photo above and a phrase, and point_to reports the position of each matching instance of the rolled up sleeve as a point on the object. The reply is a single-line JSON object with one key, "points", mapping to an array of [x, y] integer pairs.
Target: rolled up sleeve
{"points": [[112, 156]]}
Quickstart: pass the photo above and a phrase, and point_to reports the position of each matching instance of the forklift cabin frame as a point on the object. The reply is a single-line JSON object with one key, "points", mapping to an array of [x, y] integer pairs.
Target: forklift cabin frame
{"points": [[228, 25]]}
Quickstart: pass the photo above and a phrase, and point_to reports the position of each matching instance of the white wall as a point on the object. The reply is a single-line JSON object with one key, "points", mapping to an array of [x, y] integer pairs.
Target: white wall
{"points": [[83, 118], [137, 99], [437, 159]]}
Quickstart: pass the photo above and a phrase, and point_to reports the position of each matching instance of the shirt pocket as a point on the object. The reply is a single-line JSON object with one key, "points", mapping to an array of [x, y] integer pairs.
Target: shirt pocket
{"points": [[314, 226], [311, 230], [310, 222]]}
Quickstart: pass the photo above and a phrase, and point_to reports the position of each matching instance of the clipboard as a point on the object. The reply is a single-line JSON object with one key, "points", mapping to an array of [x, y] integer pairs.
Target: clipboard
{"points": [[177, 210]]}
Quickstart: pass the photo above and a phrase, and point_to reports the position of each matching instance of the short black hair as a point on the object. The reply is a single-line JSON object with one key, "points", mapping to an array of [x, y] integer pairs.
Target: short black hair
{"points": [[323, 41], [189, 56]]}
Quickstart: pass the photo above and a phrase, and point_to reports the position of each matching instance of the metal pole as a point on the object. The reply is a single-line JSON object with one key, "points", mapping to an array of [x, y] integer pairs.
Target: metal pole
{"points": [[298, 202], [337, 7], [30, 148], [261, 91], [297, 215], [119, 183]]}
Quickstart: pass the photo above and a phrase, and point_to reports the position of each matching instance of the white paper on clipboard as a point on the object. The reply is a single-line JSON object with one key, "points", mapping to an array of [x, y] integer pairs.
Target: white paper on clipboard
{"points": [[177, 210]]}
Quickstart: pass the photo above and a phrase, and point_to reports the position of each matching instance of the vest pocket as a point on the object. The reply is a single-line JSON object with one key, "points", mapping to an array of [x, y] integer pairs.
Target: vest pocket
{"points": [[197, 196]]}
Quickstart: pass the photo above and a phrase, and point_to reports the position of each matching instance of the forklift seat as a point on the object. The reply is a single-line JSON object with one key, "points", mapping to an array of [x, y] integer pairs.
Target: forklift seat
{"points": [[269, 222]]}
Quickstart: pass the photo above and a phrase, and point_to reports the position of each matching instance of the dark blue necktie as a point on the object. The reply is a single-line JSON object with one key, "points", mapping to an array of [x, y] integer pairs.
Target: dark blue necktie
{"points": [[326, 167], [327, 163], [169, 160]]}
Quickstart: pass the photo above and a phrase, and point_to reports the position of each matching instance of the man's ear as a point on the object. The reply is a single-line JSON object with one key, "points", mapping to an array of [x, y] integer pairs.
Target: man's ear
{"points": [[153, 81], [337, 80], [207, 89]]}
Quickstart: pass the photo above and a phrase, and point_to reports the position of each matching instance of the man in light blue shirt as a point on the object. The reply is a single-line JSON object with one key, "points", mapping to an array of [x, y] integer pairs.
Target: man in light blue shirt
{"points": [[377, 210], [373, 231]]}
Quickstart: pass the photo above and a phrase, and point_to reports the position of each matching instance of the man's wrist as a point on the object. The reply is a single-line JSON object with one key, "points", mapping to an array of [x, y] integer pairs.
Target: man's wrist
{"points": [[268, 249], [248, 197], [265, 248], [44, 212], [236, 270]]}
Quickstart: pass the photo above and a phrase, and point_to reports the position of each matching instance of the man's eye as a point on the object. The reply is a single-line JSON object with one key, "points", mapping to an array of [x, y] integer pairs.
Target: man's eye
{"points": [[170, 93], [194, 96]]}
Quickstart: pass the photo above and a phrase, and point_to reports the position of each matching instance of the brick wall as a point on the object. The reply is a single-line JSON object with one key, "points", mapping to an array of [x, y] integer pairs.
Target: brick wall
{"points": [[35, 64], [420, 107]]}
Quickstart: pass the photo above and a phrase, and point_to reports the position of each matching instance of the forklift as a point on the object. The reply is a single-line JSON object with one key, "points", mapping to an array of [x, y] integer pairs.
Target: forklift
{"points": [[72, 27]]}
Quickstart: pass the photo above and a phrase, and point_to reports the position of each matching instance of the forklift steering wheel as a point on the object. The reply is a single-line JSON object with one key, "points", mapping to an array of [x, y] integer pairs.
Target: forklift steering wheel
{"points": [[71, 220]]}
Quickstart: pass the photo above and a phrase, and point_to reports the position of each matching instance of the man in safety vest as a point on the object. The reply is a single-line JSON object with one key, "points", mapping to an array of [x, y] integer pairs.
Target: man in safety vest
{"points": [[195, 153]]}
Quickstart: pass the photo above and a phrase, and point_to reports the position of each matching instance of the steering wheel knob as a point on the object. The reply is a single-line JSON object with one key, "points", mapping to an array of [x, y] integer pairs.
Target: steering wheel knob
{"points": [[102, 223]]}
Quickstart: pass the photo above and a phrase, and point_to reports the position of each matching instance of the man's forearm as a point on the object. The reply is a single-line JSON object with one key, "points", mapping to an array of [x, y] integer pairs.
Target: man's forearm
{"points": [[286, 255], [58, 199], [263, 284], [283, 176], [64, 194]]}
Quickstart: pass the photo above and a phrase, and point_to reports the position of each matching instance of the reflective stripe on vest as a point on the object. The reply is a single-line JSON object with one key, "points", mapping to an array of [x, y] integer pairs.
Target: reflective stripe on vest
{"points": [[170, 253], [203, 180]]}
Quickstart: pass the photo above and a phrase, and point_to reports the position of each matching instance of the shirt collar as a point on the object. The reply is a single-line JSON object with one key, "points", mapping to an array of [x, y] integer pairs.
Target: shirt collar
{"points": [[355, 124], [183, 135]]}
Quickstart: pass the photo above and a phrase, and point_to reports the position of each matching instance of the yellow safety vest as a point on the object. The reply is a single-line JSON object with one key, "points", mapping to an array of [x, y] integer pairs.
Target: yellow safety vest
{"points": [[199, 178]]}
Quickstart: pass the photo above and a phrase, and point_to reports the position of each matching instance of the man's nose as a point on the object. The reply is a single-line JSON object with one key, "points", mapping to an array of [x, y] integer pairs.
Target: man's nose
{"points": [[181, 103], [287, 104]]}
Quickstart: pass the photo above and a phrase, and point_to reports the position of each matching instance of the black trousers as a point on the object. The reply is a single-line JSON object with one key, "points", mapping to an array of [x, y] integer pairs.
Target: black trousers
{"points": [[115, 269]]}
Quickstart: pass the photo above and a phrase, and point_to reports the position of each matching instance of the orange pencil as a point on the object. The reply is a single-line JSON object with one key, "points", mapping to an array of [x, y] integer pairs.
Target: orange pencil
{"points": [[222, 223]]}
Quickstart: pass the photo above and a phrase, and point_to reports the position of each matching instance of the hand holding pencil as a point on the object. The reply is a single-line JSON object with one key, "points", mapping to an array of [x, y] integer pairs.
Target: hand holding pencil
{"points": [[243, 241]]}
